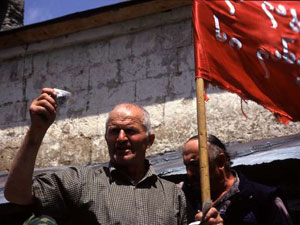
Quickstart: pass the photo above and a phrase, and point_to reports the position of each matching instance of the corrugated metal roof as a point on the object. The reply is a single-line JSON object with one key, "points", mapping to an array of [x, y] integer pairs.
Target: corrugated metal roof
{"points": [[251, 153]]}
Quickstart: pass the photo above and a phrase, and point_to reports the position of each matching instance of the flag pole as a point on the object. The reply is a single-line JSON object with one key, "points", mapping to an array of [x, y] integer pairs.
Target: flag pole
{"points": [[202, 140], [201, 121]]}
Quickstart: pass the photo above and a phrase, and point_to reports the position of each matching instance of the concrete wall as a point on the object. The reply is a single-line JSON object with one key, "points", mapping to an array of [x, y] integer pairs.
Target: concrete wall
{"points": [[148, 61]]}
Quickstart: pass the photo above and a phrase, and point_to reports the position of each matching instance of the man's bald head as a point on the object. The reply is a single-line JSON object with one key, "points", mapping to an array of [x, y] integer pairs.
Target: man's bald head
{"points": [[128, 108]]}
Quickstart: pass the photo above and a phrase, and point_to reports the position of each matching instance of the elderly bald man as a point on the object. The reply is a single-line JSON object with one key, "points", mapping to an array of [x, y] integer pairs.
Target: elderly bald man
{"points": [[125, 192]]}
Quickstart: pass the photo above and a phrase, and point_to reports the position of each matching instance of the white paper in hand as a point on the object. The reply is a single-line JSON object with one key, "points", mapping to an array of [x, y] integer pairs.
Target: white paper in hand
{"points": [[62, 97]]}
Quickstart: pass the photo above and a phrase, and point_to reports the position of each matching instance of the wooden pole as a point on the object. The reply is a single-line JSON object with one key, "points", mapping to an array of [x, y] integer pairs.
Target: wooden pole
{"points": [[202, 140]]}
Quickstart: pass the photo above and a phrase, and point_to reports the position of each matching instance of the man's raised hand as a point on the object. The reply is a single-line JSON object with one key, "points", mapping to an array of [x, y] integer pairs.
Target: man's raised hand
{"points": [[43, 110]]}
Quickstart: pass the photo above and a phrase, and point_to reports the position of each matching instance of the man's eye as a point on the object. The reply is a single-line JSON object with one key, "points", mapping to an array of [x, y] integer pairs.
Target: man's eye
{"points": [[113, 131], [130, 131]]}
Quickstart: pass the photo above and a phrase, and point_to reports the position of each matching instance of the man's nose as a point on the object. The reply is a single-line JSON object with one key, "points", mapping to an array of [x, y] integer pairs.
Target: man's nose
{"points": [[122, 136]]}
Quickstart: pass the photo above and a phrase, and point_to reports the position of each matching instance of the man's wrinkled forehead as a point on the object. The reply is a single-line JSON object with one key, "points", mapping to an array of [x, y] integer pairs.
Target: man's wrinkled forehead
{"points": [[123, 113], [126, 109]]}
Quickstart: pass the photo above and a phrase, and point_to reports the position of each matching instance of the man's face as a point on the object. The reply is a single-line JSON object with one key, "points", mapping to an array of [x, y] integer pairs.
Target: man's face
{"points": [[191, 162], [126, 137]]}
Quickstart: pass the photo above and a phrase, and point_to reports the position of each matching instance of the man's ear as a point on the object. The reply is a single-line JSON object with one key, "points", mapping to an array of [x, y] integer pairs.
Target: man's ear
{"points": [[151, 138], [220, 160]]}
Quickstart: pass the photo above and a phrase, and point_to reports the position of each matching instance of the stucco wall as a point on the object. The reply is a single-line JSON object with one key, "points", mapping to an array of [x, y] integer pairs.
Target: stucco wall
{"points": [[148, 61]]}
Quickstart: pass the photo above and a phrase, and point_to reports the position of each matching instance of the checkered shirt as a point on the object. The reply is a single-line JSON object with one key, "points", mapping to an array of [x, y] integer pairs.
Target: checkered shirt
{"points": [[83, 195]]}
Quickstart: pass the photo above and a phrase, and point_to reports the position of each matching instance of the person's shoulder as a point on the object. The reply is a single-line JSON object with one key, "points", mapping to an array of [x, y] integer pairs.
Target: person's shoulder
{"points": [[245, 181], [258, 190], [167, 183], [79, 171], [91, 170], [71, 171]]}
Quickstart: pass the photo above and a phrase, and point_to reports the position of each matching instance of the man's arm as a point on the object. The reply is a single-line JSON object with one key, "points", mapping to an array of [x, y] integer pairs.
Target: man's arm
{"points": [[18, 188]]}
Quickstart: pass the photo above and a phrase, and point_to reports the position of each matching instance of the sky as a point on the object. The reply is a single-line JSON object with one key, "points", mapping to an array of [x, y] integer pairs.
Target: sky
{"points": [[41, 10]]}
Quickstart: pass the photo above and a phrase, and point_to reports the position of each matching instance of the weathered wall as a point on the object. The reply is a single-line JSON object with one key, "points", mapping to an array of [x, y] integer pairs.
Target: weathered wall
{"points": [[148, 61], [11, 14]]}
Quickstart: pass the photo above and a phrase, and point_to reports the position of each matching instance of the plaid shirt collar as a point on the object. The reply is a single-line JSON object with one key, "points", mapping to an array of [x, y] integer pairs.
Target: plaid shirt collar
{"points": [[118, 175]]}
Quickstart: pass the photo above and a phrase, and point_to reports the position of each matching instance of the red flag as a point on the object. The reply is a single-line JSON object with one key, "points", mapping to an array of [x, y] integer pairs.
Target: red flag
{"points": [[251, 48]]}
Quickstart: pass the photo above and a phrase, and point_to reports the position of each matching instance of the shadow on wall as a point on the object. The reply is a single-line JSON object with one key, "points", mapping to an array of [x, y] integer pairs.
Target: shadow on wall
{"points": [[81, 105], [3, 10]]}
